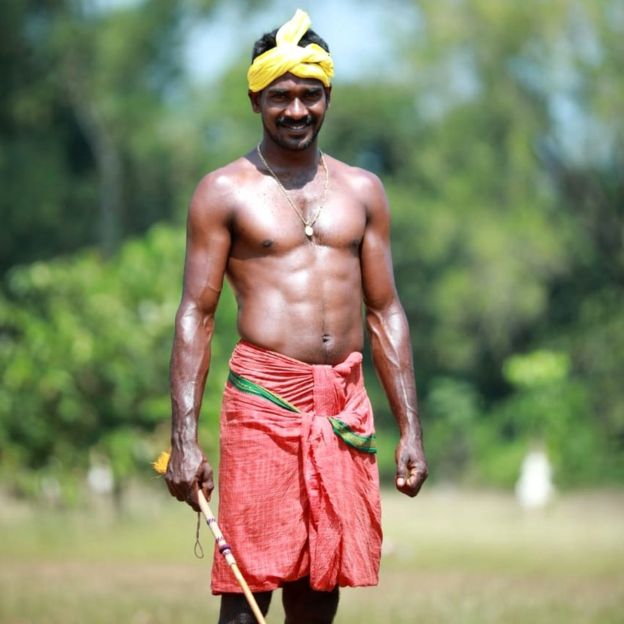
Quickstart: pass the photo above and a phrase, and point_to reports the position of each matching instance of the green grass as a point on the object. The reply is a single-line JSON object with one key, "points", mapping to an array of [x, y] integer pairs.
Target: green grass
{"points": [[450, 556]]}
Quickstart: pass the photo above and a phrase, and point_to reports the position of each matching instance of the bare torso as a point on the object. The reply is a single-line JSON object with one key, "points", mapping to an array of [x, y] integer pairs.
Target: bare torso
{"points": [[298, 296], [302, 297]]}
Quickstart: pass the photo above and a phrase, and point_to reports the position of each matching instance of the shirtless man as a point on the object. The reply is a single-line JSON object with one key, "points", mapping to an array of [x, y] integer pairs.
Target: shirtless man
{"points": [[304, 241]]}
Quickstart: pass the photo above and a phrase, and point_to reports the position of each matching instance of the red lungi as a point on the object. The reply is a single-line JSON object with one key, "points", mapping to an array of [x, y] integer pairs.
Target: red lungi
{"points": [[295, 499]]}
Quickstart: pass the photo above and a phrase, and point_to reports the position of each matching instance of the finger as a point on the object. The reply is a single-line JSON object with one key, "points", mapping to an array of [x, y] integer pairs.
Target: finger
{"points": [[415, 480], [412, 487], [169, 487], [413, 477], [402, 484], [401, 473], [204, 476], [205, 480], [173, 489], [405, 489], [207, 488], [191, 498], [408, 489], [179, 490]]}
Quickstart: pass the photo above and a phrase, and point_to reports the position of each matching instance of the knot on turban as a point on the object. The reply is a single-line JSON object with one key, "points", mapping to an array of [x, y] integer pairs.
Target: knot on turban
{"points": [[288, 57]]}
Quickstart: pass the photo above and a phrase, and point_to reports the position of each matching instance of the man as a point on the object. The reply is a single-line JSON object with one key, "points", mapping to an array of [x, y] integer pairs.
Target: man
{"points": [[304, 241]]}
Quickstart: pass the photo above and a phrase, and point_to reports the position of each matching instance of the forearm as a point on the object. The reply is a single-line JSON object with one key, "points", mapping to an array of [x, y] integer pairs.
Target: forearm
{"points": [[190, 362], [392, 358]]}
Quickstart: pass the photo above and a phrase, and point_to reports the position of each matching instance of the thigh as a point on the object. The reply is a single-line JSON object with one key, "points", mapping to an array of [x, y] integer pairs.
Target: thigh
{"points": [[303, 605], [235, 610]]}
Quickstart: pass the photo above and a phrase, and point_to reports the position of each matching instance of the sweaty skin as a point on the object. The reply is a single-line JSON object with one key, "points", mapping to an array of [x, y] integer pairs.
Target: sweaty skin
{"points": [[298, 296]]}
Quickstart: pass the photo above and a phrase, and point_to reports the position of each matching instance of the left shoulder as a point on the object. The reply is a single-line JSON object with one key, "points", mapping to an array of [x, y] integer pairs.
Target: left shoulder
{"points": [[362, 184]]}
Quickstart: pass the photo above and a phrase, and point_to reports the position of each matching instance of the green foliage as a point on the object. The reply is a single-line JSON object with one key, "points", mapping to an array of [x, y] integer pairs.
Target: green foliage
{"points": [[85, 346], [537, 369], [453, 409], [86, 89], [500, 140], [507, 233]]}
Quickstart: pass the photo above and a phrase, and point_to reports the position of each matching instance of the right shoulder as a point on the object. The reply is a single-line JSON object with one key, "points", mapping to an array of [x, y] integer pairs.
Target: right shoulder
{"points": [[217, 192]]}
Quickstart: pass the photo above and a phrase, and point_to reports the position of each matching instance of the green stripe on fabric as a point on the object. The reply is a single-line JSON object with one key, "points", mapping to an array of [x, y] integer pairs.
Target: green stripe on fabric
{"points": [[365, 444], [245, 385]]}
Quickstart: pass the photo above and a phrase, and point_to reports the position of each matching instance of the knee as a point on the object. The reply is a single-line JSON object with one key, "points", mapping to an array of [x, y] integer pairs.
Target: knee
{"points": [[303, 605]]}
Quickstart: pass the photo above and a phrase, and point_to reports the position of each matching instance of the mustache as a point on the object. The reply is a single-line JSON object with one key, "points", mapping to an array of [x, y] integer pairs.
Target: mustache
{"points": [[289, 122]]}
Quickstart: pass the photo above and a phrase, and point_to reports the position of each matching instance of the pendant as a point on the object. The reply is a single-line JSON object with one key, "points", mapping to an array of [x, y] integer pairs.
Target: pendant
{"points": [[308, 231]]}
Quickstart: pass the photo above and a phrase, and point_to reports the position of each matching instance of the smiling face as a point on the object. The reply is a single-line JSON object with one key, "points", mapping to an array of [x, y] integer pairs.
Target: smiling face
{"points": [[292, 109]]}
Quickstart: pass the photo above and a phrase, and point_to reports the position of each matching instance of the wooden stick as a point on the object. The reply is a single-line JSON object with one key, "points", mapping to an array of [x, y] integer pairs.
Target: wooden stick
{"points": [[226, 551], [160, 466]]}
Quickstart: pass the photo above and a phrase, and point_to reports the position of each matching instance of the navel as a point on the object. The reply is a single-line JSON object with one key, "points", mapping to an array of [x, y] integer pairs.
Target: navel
{"points": [[267, 243]]}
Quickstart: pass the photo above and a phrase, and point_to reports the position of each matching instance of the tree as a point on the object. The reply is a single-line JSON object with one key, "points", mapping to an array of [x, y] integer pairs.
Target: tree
{"points": [[86, 95], [84, 349]]}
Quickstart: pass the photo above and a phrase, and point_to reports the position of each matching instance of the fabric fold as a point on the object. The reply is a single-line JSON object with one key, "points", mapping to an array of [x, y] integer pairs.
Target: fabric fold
{"points": [[295, 498], [311, 61]]}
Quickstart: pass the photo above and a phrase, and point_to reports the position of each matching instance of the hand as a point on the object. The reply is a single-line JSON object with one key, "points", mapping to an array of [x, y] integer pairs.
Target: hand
{"points": [[187, 472], [411, 465]]}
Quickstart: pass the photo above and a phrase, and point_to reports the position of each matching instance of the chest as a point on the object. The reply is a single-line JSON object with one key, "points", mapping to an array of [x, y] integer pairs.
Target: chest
{"points": [[269, 222]]}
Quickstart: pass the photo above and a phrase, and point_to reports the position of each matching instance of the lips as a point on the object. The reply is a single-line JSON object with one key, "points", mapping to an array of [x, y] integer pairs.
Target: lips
{"points": [[302, 128], [299, 125]]}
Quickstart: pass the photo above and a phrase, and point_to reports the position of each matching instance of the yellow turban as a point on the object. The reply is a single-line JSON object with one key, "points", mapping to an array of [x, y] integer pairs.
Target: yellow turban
{"points": [[309, 62]]}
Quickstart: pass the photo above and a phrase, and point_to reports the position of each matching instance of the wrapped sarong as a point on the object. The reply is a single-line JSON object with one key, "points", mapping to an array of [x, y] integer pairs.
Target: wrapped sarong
{"points": [[298, 480]]}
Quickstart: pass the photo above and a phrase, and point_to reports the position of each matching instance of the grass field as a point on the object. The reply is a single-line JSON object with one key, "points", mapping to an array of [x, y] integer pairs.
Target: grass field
{"points": [[449, 557]]}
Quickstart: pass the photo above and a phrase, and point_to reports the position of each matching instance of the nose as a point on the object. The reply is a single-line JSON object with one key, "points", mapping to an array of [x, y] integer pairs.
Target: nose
{"points": [[296, 109]]}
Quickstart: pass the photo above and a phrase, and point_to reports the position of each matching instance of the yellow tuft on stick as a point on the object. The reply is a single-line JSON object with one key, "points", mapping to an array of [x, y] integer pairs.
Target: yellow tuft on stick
{"points": [[161, 463]]}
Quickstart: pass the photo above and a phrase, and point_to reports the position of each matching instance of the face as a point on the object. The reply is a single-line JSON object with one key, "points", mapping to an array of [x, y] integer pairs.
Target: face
{"points": [[292, 110]]}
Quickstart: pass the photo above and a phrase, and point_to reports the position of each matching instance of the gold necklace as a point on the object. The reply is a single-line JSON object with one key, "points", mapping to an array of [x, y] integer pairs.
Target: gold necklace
{"points": [[308, 229]]}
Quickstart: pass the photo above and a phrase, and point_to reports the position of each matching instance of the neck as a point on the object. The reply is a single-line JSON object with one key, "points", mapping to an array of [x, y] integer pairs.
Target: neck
{"points": [[282, 158]]}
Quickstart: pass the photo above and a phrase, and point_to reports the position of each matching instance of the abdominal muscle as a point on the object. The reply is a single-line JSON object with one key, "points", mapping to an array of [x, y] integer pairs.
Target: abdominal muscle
{"points": [[305, 304]]}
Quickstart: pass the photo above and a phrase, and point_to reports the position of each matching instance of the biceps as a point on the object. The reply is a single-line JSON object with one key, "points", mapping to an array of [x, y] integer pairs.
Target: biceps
{"points": [[206, 261], [377, 274]]}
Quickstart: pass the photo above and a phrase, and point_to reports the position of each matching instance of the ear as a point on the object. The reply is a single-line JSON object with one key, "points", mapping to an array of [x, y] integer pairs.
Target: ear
{"points": [[328, 91], [254, 98]]}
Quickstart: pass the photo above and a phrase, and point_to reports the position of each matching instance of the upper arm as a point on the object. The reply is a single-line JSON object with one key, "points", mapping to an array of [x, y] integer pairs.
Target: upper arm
{"points": [[375, 255], [208, 242]]}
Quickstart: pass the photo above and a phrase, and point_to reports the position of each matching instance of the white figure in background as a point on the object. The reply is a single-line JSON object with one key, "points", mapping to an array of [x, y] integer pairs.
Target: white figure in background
{"points": [[534, 488], [100, 479]]}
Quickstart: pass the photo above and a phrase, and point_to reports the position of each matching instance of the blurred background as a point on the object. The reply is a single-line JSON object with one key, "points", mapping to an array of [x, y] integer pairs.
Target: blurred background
{"points": [[498, 131]]}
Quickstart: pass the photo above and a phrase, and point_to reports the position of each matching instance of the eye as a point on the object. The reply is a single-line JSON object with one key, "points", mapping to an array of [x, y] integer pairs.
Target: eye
{"points": [[278, 97], [313, 96]]}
